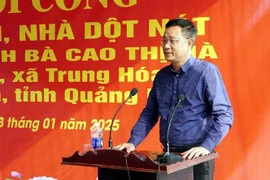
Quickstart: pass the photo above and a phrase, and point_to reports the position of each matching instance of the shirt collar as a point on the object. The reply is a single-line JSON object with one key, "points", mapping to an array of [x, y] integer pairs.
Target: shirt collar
{"points": [[186, 66]]}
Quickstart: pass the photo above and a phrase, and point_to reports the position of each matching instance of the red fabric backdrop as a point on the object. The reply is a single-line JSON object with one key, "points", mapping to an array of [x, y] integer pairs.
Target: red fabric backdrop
{"points": [[44, 43]]}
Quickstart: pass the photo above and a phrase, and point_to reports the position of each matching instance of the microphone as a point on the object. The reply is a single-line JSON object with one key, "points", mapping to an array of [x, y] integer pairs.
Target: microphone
{"points": [[133, 92], [170, 158]]}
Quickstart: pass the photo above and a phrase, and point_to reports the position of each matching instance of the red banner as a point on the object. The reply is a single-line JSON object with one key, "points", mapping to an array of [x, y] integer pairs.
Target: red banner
{"points": [[66, 64]]}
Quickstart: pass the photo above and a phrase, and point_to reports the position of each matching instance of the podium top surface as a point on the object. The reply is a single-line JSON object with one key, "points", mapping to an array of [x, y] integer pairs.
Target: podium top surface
{"points": [[144, 161]]}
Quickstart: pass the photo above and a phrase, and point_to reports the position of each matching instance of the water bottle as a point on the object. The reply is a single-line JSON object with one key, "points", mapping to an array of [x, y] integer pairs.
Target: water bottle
{"points": [[97, 137]]}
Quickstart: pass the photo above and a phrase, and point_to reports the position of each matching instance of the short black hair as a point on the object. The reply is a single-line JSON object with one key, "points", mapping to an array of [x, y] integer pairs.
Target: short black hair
{"points": [[189, 30]]}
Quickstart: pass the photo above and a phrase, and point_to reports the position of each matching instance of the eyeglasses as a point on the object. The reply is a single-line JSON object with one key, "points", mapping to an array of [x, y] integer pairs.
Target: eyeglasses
{"points": [[164, 41]]}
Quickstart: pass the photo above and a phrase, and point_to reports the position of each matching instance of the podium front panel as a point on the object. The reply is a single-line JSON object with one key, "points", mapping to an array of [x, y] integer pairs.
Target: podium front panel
{"points": [[112, 174]]}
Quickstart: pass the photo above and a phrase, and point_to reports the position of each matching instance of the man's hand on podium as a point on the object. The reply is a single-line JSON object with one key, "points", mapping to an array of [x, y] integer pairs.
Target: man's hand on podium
{"points": [[195, 152], [128, 147]]}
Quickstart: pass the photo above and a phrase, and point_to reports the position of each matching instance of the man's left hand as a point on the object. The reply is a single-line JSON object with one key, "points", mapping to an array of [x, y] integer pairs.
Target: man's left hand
{"points": [[195, 152]]}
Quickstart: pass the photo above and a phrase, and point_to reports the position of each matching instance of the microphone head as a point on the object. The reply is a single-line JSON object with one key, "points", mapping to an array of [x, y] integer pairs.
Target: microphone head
{"points": [[181, 97], [134, 91]]}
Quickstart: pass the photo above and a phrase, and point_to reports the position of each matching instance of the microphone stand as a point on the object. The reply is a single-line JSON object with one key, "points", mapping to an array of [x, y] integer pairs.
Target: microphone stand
{"points": [[168, 157], [132, 93]]}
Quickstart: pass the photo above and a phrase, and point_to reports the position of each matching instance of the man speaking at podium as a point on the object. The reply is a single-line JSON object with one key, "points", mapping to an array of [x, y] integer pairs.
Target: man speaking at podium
{"points": [[190, 97]]}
